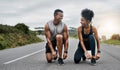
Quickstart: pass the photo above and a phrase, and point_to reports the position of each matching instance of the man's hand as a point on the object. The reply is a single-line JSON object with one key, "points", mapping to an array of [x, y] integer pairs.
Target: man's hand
{"points": [[87, 55], [54, 54], [64, 55]]}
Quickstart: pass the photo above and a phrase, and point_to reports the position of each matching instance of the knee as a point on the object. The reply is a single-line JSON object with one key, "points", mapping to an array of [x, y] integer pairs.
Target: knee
{"points": [[48, 57], [92, 41], [49, 60], [77, 57], [76, 61], [59, 37], [91, 37]]}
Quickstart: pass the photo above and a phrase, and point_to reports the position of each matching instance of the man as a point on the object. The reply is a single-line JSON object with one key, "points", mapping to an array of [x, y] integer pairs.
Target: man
{"points": [[57, 35]]}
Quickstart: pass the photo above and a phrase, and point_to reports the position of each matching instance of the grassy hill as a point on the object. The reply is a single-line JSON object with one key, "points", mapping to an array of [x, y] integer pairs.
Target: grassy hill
{"points": [[18, 35], [114, 42]]}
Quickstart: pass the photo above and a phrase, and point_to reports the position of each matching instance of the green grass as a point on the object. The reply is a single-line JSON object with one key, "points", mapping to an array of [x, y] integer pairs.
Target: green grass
{"points": [[12, 40], [10, 37], [74, 36], [114, 42]]}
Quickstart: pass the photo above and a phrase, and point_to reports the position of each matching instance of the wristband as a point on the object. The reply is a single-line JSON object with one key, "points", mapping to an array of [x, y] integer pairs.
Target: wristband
{"points": [[99, 51], [65, 51]]}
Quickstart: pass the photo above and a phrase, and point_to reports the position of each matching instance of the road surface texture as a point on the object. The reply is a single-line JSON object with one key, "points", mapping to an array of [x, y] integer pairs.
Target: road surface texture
{"points": [[32, 57]]}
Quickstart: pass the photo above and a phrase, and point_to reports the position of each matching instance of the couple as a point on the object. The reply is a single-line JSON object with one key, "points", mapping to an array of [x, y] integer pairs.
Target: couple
{"points": [[56, 33]]}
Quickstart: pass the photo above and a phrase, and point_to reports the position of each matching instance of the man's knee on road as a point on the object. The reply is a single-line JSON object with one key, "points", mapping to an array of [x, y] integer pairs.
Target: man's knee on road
{"points": [[49, 58], [49, 61]]}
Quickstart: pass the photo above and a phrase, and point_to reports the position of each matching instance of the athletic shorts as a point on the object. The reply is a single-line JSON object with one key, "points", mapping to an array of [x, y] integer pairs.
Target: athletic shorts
{"points": [[48, 50]]}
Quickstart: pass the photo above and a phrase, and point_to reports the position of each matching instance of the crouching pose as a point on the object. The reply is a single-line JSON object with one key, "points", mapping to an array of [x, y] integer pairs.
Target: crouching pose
{"points": [[87, 36], [57, 35]]}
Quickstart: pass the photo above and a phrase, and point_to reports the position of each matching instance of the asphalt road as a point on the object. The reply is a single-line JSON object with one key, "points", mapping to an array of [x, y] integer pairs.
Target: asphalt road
{"points": [[32, 57]]}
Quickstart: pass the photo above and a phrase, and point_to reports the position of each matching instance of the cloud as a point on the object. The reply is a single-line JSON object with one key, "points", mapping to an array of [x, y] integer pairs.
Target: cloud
{"points": [[36, 13]]}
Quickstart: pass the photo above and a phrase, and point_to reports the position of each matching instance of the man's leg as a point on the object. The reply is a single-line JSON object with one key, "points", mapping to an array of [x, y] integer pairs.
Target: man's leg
{"points": [[48, 53], [78, 54], [92, 46], [59, 39]]}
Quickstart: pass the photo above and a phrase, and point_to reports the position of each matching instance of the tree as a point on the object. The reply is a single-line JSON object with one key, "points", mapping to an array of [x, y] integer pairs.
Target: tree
{"points": [[115, 37]]}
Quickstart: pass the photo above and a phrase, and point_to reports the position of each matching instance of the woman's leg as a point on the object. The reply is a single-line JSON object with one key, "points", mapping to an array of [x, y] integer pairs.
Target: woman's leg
{"points": [[78, 54], [92, 47]]}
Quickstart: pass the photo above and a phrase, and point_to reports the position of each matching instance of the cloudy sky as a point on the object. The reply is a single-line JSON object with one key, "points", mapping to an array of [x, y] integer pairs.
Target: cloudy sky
{"points": [[35, 13]]}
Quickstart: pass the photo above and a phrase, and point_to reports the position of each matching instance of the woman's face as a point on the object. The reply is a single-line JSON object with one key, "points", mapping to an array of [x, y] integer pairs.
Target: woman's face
{"points": [[84, 22]]}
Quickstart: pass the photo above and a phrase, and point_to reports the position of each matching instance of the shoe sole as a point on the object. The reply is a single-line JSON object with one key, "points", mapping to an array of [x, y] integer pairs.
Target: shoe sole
{"points": [[93, 64], [61, 64]]}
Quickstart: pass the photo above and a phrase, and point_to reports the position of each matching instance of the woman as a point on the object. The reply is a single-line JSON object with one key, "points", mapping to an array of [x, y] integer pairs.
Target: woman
{"points": [[87, 36]]}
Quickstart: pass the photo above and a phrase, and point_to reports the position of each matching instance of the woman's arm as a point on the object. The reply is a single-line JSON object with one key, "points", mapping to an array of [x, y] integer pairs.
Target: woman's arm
{"points": [[97, 39], [82, 44], [80, 38]]}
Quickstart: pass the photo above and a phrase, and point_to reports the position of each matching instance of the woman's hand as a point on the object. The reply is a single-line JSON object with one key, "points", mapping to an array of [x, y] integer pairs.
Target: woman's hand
{"points": [[87, 55], [97, 56]]}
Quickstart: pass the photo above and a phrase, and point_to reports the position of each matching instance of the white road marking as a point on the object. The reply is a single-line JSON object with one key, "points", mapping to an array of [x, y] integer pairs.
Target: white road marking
{"points": [[24, 56]]}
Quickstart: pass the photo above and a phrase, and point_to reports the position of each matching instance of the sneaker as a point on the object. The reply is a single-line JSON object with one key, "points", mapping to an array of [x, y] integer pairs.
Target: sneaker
{"points": [[60, 61], [93, 62], [55, 58]]}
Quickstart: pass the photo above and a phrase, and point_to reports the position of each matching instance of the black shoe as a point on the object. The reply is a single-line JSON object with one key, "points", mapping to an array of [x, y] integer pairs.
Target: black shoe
{"points": [[93, 62], [60, 61], [55, 58]]}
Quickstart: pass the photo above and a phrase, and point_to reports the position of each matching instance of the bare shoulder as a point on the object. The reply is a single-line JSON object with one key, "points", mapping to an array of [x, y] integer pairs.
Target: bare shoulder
{"points": [[65, 26], [94, 29], [80, 28], [46, 26]]}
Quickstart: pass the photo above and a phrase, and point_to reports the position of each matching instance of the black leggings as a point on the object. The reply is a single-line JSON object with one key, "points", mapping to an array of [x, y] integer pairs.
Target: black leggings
{"points": [[90, 45]]}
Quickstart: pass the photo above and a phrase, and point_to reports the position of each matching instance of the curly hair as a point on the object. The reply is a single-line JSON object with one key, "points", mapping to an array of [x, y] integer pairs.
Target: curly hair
{"points": [[87, 14]]}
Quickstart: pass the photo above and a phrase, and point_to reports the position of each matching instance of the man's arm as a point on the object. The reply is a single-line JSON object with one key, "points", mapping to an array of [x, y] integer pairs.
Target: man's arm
{"points": [[65, 38], [65, 35], [48, 36]]}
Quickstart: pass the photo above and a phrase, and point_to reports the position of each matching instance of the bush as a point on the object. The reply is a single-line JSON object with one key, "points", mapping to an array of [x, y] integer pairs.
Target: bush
{"points": [[115, 37], [13, 36], [22, 27], [8, 29], [3, 45]]}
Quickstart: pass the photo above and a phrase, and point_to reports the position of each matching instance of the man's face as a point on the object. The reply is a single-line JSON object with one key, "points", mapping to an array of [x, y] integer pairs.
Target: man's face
{"points": [[59, 16]]}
